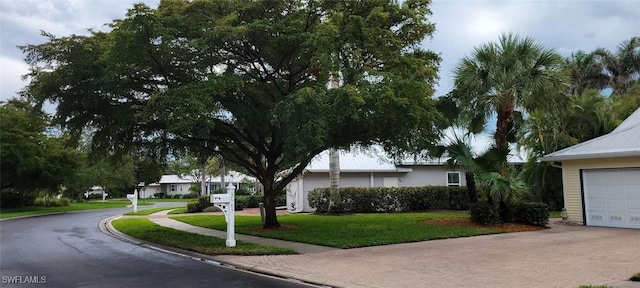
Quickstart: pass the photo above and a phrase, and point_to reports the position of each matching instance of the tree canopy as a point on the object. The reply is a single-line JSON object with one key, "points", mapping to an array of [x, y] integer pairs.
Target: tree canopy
{"points": [[30, 160], [247, 80]]}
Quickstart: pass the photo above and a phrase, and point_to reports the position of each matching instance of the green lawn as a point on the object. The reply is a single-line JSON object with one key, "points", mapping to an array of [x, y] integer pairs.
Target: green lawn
{"points": [[74, 206], [149, 211], [554, 214], [144, 229], [182, 210], [349, 231]]}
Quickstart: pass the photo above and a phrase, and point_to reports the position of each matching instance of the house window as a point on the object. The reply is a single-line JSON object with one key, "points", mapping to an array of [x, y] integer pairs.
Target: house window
{"points": [[453, 178], [173, 188]]}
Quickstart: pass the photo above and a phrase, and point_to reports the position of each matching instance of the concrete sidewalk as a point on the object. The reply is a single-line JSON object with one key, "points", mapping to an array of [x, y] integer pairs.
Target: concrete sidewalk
{"points": [[563, 256]]}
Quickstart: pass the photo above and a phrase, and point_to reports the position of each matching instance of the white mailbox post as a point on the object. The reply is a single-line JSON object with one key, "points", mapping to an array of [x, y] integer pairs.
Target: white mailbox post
{"points": [[134, 200], [226, 203]]}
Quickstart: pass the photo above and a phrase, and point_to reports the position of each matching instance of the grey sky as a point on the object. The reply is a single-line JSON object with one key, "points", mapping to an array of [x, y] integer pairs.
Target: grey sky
{"points": [[565, 25]]}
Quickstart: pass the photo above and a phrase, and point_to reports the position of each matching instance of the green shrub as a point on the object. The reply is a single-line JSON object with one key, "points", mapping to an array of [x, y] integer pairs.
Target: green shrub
{"points": [[186, 196], [484, 214], [381, 199], [635, 278], [204, 202], [192, 207], [281, 199], [249, 201], [64, 201], [53, 202], [240, 204], [532, 213], [243, 191], [39, 202]]}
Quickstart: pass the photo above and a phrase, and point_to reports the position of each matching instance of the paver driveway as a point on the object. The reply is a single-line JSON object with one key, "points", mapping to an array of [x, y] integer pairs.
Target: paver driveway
{"points": [[563, 256]]}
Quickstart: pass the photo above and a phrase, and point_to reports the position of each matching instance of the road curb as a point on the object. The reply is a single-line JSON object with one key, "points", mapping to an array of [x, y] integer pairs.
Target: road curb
{"points": [[107, 228]]}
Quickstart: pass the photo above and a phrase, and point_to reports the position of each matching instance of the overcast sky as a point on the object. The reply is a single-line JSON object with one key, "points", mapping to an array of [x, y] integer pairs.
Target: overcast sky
{"points": [[565, 25]]}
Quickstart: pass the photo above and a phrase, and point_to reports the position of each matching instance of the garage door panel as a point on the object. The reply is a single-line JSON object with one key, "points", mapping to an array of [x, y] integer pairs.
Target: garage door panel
{"points": [[616, 205], [612, 197], [633, 205]]}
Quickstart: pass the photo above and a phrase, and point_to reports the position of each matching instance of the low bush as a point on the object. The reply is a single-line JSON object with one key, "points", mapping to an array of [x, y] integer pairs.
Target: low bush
{"points": [[532, 213], [39, 202], [204, 202], [240, 204], [249, 201], [243, 191], [53, 202], [192, 207], [381, 199], [64, 201], [484, 214], [635, 278], [159, 195]]}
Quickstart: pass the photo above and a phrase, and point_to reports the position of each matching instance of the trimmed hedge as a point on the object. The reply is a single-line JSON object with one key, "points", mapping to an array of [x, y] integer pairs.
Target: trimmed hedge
{"points": [[484, 214], [253, 201], [532, 213], [382, 199]]}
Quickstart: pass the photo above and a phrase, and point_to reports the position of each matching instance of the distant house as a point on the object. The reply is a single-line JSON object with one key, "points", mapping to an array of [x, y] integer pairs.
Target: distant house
{"points": [[358, 169], [601, 177], [170, 185]]}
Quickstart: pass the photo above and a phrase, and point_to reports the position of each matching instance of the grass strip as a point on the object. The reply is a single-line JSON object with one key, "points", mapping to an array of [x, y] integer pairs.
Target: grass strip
{"points": [[144, 229], [149, 211]]}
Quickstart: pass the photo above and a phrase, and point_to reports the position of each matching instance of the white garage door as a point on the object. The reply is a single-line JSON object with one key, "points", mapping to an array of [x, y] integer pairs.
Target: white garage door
{"points": [[612, 197]]}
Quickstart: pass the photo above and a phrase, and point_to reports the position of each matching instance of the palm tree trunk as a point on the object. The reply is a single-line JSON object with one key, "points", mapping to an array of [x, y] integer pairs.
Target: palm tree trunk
{"points": [[472, 192], [334, 168], [503, 125], [334, 180]]}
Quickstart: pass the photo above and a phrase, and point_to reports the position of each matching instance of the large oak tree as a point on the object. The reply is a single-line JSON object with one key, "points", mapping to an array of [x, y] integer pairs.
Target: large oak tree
{"points": [[248, 80]]}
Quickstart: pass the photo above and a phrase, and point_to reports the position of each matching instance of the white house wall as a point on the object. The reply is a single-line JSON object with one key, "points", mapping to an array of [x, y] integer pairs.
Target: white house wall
{"points": [[181, 189], [428, 176]]}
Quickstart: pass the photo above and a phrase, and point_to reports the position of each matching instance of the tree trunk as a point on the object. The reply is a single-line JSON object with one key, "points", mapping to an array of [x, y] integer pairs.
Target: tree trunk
{"points": [[203, 180], [223, 173], [269, 198], [472, 192], [334, 181], [505, 119]]}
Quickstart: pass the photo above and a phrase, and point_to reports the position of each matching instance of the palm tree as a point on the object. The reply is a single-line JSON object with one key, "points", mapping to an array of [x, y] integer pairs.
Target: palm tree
{"points": [[585, 72], [622, 67], [514, 74]]}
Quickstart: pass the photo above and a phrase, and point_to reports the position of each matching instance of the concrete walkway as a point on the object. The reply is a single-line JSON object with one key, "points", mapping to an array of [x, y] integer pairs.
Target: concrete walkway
{"points": [[161, 218], [563, 256]]}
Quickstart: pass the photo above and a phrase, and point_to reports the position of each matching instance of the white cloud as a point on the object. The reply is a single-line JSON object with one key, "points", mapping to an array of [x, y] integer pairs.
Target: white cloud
{"points": [[9, 71]]}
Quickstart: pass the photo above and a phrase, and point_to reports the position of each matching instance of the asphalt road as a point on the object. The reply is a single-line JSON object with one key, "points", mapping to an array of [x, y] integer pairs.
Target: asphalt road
{"points": [[69, 250]]}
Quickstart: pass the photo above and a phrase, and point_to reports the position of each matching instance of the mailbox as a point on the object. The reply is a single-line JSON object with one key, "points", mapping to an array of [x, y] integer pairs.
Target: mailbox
{"points": [[131, 196], [220, 198]]}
